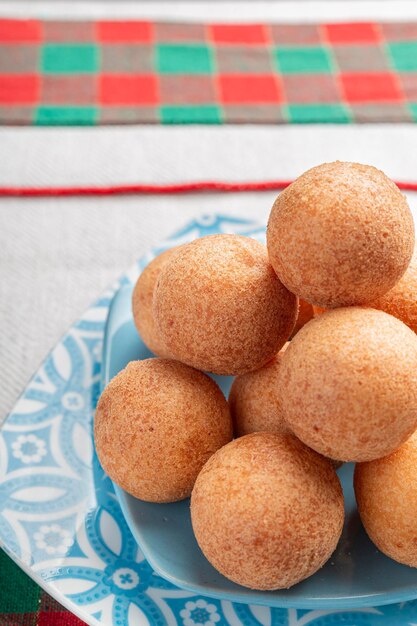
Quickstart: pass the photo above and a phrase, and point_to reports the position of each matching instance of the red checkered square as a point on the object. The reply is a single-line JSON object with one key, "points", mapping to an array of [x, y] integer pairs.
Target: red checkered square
{"points": [[356, 32], [128, 89], [62, 618], [19, 89], [123, 32], [51, 613], [19, 31], [238, 33], [371, 87], [250, 89]]}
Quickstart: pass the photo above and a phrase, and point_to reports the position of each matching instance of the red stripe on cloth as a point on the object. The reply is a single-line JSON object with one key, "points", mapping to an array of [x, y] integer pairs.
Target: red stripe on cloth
{"points": [[197, 187], [51, 613], [58, 618], [20, 31], [250, 89], [239, 33], [132, 31], [125, 89], [371, 87], [352, 33], [19, 89]]}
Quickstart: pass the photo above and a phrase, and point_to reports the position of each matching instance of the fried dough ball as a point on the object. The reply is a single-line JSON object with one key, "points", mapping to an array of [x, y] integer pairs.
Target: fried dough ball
{"points": [[348, 384], [255, 405], [401, 300], [254, 400], [157, 422], [341, 234], [386, 494], [220, 307], [267, 511], [142, 297]]}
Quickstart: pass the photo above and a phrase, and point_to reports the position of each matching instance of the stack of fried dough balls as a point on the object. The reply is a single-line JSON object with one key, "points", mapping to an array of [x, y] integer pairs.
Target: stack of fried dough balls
{"points": [[318, 328]]}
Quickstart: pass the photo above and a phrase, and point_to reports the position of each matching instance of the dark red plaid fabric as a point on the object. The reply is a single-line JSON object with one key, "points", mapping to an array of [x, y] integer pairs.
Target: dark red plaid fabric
{"points": [[107, 72]]}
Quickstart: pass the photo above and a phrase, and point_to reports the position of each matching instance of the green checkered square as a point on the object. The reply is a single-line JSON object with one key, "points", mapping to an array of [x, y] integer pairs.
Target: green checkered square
{"points": [[302, 60], [318, 114], [19, 594], [184, 59], [67, 115], [67, 59], [191, 114], [404, 55], [413, 108]]}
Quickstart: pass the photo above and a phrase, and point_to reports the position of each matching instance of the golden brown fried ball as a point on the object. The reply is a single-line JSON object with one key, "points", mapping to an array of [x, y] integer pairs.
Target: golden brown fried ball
{"points": [[142, 297], [254, 400], [348, 384], [267, 511], [255, 404], [386, 494], [341, 234], [401, 300], [157, 422], [220, 307]]}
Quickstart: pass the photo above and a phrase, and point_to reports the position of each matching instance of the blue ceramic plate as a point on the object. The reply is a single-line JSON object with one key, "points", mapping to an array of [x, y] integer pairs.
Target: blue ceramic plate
{"points": [[357, 575], [59, 516]]}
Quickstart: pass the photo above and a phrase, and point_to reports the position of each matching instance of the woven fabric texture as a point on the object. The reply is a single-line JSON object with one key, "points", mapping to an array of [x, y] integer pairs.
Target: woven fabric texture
{"points": [[23, 603], [108, 72]]}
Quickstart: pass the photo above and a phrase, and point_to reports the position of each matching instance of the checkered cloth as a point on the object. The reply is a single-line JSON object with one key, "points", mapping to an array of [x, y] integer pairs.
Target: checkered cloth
{"points": [[23, 603], [143, 72]]}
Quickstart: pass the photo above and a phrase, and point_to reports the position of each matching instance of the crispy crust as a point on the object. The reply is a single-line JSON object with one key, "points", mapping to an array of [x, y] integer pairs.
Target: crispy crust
{"points": [[401, 300], [341, 234], [386, 494], [142, 297], [156, 424], [220, 307], [348, 384], [254, 400], [267, 512]]}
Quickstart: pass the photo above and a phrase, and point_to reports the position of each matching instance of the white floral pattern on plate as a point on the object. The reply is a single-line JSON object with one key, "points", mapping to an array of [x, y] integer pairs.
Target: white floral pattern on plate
{"points": [[29, 448], [59, 518], [199, 613]]}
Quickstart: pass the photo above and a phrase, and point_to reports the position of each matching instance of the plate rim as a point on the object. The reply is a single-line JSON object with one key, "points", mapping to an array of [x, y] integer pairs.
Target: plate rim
{"points": [[325, 604]]}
